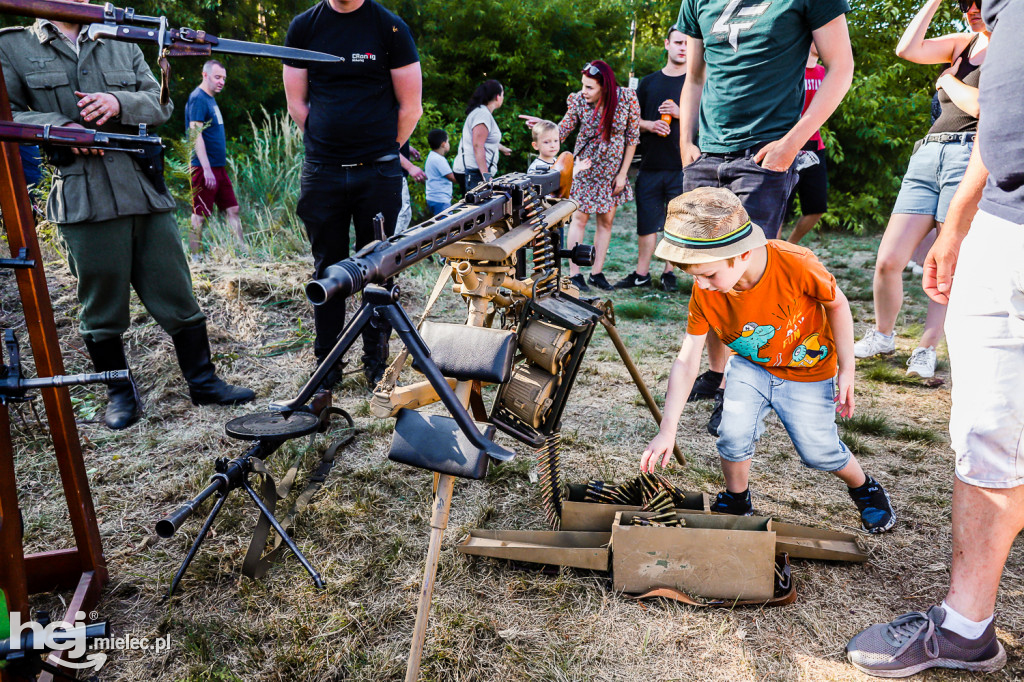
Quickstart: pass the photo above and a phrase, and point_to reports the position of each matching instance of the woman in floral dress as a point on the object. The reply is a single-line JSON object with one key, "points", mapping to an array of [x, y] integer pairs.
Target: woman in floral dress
{"points": [[608, 118]]}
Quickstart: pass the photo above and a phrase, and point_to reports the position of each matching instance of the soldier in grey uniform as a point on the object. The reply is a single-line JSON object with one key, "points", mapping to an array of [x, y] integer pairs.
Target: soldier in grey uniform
{"points": [[118, 226]]}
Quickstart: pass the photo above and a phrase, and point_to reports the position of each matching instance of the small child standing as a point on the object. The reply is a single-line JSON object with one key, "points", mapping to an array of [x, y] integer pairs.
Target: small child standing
{"points": [[547, 142], [440, 177], [780, 311]]}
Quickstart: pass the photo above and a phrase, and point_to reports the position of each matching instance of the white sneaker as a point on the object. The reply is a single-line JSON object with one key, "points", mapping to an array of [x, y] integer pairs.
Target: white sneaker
{"points": [[874, 343], [922, 363]]}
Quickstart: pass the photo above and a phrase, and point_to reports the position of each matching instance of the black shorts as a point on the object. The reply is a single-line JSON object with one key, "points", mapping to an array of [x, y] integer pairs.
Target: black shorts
{"points": [[812, 187], [653, 190]]}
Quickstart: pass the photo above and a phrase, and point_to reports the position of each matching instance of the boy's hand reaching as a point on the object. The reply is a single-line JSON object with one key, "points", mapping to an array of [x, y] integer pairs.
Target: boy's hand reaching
{"points": [[844, 400], [659, 449], [581, 165]]}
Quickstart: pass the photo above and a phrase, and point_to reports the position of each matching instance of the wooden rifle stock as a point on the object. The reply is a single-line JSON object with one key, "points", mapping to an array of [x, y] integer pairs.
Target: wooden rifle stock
{"points": [[70, 12]]}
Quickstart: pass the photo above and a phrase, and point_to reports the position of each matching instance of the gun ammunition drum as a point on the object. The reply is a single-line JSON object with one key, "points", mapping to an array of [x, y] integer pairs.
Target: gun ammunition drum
{"points": [[528, 393], [546, 345]]}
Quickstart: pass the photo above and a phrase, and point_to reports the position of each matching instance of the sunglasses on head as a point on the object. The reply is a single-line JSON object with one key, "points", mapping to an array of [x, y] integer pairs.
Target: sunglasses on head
{"points": [[966, 5], [591, 70]]}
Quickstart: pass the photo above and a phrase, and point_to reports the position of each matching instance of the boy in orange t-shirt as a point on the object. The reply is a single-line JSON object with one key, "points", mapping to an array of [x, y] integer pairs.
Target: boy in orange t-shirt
{"points": [[780, 311]]}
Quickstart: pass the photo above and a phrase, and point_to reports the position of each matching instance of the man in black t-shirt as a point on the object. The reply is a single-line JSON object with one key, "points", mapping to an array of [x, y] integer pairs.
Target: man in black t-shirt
{"points": [[355, 114], [661, 169]]}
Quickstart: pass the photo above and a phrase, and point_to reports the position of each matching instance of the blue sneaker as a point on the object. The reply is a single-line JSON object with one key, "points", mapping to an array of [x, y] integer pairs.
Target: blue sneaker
{"points": [[876, 514], [737, 504]]}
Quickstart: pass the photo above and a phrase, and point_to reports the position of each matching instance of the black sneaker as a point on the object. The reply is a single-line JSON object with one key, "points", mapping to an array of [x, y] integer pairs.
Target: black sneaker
{"points": [[600, 281], [716, 413], [706, 385], [633, 280], [737, 504], [669, 282], [876, 514], [580, 283]]}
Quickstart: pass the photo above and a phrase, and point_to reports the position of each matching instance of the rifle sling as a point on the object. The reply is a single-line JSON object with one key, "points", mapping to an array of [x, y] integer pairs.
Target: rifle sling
{"points": [[255, 565]]}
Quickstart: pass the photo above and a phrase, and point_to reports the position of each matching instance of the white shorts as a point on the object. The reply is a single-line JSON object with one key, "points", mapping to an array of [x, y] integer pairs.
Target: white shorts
{"points": [[985, 335]]}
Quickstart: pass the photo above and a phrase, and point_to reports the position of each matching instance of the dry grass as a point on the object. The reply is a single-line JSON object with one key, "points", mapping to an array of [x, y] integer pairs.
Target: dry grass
{"points": [[367, 529]]}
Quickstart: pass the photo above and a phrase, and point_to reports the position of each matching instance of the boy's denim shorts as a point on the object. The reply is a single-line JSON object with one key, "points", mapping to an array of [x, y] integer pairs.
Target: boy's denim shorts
{"points": [[933, 174], [806, 409]]}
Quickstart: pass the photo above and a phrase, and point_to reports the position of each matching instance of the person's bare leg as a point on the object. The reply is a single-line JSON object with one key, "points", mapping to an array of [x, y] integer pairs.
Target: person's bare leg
{"points": [[852, 474], [235, 223], [985, 523], [602, 237], [737, 475], [921, 252], [577, 228], [936, 316], [645, 251], [195, 235], [902, 235], [804, 225]]}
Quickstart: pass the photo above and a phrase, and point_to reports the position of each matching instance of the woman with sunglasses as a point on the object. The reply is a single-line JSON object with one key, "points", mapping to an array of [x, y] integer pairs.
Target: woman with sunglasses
{"points": [[608, 117], [933, 174]]}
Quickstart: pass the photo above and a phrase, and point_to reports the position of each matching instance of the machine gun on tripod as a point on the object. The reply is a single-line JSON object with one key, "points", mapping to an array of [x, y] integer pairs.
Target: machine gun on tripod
{"points": [[496, 206]]}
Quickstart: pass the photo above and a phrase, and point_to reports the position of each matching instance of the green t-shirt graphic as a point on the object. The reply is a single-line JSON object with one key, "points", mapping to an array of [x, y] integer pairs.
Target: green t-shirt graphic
{"points": [[755, 51]]}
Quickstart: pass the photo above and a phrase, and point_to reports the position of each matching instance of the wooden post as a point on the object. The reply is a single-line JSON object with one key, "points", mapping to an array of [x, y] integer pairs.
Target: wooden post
{"points": [[83, 568]]}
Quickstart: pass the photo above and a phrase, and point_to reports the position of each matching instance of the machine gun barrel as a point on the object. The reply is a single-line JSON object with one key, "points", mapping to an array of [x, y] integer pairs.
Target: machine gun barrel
{"points": [[486, 204], [382, 260], [228, 476]]}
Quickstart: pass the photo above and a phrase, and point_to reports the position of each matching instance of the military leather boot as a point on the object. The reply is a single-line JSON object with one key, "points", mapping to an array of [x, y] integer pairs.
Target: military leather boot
{"points": [[192, 346], [123, 408]]}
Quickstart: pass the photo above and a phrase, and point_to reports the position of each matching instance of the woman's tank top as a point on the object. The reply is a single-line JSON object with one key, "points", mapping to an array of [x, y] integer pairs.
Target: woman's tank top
{"points": [[954, 119]]}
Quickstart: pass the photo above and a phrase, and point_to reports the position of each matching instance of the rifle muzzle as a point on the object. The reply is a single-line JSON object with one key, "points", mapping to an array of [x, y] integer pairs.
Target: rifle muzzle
{"points": [[341, 279]]}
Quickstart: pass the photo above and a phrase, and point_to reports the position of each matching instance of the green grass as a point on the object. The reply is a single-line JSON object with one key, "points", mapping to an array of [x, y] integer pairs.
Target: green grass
{"points": [[636, 310], [866, 424], [857, 445], [917, 434]]}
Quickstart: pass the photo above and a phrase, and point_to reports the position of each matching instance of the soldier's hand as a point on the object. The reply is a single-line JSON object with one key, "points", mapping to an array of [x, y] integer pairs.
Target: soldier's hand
{"points": [[98, 106], [83, 150]]}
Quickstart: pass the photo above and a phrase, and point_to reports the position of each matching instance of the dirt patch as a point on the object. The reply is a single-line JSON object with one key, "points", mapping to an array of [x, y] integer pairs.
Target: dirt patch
{"points": [[366, 531]]}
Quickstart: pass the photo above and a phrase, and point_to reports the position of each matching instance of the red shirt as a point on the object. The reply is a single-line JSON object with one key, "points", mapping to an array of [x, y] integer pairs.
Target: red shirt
{"points": [[812, 81]]}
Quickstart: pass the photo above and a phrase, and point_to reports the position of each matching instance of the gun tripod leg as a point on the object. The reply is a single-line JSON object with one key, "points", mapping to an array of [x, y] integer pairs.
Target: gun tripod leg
{"points": [[317, 580], [438, 524], [195, 545], [634, 373]]}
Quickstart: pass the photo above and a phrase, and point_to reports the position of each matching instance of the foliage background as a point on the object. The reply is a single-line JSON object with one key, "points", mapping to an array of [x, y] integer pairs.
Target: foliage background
{"points": [[536, 48]]}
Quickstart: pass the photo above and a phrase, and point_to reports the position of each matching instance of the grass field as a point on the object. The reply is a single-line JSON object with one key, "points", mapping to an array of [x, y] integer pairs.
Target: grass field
{"points": [[367, 530]]}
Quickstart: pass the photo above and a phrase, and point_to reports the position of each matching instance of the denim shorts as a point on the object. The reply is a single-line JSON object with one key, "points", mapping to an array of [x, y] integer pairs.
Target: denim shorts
{"points": [[764, 193], [985, 335], [805, 408], [933, 174]]}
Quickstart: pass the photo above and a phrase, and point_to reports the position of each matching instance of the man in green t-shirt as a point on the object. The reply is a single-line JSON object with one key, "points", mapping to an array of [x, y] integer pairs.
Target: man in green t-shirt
{"points": [[745, 86]]}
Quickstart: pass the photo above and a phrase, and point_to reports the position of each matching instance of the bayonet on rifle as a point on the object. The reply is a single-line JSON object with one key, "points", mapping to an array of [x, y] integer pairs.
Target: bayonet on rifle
{"points": [[124, 24]]}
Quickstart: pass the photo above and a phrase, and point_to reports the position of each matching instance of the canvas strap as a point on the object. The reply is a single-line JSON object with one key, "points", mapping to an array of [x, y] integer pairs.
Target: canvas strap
{"points": [[256, 564]]}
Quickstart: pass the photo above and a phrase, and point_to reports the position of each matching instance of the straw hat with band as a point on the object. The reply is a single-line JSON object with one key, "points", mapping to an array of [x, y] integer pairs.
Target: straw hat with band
{"points": [[705, 225]]}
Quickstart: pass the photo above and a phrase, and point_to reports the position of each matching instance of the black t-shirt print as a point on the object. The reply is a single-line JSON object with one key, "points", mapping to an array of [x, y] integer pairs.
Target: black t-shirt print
{"points": [[657, 152], [353, 112]]}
